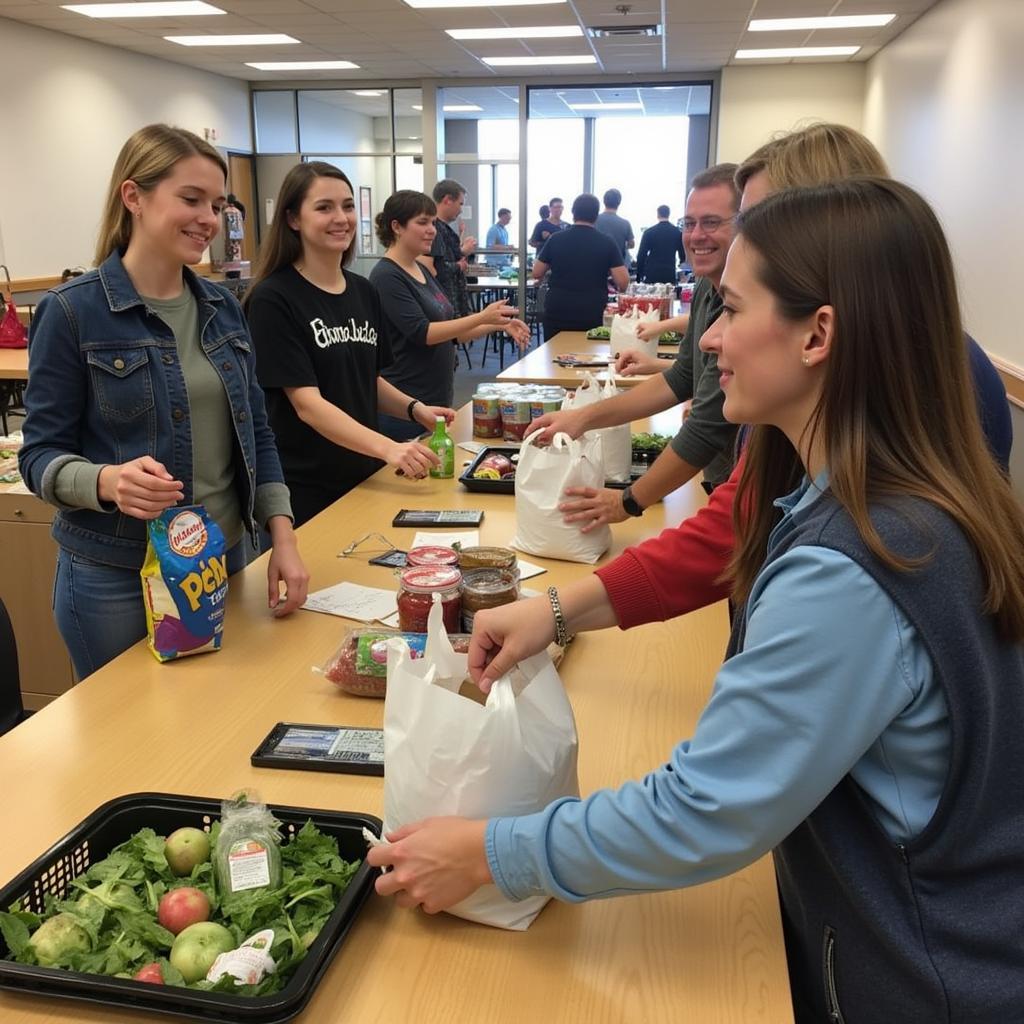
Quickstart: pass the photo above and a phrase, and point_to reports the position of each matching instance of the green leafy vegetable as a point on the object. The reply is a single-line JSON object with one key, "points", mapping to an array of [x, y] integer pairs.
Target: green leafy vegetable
{"points": [[106, 924], [650, 442]]}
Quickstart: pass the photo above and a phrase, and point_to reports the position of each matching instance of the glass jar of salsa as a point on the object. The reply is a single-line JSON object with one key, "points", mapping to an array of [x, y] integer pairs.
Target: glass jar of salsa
{"points": [[487, 588], [431, 555], [416, 597]]}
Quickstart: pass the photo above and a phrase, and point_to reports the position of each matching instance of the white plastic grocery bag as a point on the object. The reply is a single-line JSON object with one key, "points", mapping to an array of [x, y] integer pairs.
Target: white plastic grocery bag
{"points": [[446, 754], [616, 442], [542, 476], [623, 332]]}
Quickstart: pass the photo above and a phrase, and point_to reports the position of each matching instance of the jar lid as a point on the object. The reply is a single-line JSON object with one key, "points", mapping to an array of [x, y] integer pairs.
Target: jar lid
{"points": [[432, 555], [425, 579], [485, 557]]}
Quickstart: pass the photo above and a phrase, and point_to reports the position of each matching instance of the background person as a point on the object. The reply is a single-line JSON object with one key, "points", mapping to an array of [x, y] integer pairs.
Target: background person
{"points": [[143, 395], [879, 779], [617, 228], [550, 223], [420, 318], [660, 245], [580, 261], [449, 249], [497, 238], [321, 345]]}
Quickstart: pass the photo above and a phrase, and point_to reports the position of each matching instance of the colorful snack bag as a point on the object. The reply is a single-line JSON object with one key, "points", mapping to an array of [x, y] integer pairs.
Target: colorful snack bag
{"points": [[184, 583]]}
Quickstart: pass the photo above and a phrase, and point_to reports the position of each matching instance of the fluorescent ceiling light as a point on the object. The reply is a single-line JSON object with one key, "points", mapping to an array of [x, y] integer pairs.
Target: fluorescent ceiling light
{"points": [[423, 4], [268, 39], [798, 51], [171, 9], [417, 106], [514, 62], [460, 108], [303, 65], [606, 106], [832, 21], [537, 32], [367, 92]]}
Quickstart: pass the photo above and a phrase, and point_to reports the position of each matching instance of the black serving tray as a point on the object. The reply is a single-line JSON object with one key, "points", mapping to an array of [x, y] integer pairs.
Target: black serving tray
{"points": [[508, 485], [109, 826]]}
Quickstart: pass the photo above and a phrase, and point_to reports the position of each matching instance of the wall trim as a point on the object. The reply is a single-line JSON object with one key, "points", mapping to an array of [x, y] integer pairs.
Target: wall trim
{"points": [[1013, 379], [42, 284]]}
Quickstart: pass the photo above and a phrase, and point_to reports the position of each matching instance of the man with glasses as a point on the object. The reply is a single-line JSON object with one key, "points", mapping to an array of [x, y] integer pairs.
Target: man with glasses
{"points": [[705, 441]]}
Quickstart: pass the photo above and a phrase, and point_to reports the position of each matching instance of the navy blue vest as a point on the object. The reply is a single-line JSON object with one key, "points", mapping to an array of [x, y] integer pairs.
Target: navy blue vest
{"points": [[931, 932]]}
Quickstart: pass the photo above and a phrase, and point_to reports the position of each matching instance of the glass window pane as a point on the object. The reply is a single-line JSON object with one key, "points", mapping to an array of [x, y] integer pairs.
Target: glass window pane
{"points": [[409, 121], [409, 173], [463, 111], [338, 121], [554, 164], [275, 121]]}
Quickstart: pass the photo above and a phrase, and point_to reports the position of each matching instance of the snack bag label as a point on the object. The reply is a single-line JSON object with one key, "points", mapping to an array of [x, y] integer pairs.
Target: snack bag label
{"points": [[184, 583], [372, 651]]}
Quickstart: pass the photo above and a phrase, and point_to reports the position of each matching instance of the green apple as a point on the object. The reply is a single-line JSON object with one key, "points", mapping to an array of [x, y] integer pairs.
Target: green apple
{"points": [[196, 948], [186, 848]]}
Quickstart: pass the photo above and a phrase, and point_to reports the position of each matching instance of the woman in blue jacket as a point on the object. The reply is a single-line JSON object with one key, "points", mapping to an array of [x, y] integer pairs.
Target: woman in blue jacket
{"points": [[865, 727], [142, 395]]}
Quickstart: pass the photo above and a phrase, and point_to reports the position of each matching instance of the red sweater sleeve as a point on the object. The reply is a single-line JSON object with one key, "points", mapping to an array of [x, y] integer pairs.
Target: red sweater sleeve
{"points": [[675, 572]]}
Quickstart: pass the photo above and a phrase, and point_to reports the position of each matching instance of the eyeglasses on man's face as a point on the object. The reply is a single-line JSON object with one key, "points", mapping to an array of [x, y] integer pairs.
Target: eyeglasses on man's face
{"points": [[709, 225]]}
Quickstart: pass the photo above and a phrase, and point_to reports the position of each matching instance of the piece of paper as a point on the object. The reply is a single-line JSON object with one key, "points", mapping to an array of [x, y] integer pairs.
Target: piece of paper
{"points": [[437, 538], [352, 601], [476, 447], [391, 621], [527, 570]]}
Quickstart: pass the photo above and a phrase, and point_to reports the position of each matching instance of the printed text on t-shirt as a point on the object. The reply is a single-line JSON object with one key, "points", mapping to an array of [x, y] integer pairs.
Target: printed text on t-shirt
{"points": [[326, 336]]}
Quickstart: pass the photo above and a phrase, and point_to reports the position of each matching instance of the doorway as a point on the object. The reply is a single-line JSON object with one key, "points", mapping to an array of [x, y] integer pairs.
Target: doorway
{"points": [[240, 182]]}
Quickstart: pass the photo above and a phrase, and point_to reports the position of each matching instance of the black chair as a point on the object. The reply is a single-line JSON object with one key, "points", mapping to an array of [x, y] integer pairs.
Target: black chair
{"points": [[12, 711]]}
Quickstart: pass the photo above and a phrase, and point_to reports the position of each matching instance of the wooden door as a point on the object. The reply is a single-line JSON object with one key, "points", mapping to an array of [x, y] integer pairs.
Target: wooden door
{"points": [[240, 181]]}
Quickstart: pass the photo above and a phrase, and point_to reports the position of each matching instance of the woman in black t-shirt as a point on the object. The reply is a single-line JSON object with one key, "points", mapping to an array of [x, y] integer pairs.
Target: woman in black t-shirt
{"points": [[321, 344]]}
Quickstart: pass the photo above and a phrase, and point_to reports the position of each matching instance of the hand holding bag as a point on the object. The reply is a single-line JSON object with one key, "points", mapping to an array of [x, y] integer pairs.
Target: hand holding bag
{"points": [[447, 754], [623, 332], [617, 441], [542, 476]]}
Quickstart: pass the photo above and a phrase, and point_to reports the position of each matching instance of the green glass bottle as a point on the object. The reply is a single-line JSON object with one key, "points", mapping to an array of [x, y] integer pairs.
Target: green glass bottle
{"points": [[444, 448]]}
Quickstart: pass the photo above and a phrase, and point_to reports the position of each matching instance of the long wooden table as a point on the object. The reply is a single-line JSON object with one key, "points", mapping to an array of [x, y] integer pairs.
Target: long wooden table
{"points": [[708, 955], [13, 364], [539, 366]]}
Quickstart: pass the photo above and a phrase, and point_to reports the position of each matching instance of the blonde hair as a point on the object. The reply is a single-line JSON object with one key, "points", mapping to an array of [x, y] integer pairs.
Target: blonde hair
{"points": [[146, 158], [813, 155]]}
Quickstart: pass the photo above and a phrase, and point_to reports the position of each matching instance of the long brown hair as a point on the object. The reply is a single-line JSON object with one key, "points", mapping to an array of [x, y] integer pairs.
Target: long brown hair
{"points": [[282, 246], [146, 158], [896, 414]]}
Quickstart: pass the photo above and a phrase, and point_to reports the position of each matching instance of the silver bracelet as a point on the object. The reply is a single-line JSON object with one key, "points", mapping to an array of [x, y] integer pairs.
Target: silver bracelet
{"points": [[561, 632]]}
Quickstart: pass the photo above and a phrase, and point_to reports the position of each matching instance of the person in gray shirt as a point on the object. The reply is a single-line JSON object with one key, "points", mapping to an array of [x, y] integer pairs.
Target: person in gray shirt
{"points": [[617, 228]]}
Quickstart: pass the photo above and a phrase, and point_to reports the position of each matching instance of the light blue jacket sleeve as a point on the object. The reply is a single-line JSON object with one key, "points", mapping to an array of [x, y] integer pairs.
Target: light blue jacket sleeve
{"points": [[829, 663]]}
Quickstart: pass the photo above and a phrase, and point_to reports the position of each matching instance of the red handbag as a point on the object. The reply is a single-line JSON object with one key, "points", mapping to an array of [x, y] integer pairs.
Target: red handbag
{"points": [[12, 331]]}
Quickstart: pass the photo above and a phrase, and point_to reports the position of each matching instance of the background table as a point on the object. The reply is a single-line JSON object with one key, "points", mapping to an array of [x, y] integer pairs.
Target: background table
{"points": [[13, 364], [708, 955]]}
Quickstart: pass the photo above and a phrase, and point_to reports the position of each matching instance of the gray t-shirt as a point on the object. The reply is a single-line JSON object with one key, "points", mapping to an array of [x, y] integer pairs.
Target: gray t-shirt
{"points": [[422, 371], [618, 229]]}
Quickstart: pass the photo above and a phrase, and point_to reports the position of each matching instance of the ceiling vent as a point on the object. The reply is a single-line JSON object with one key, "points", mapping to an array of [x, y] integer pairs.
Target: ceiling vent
{"points": [[619, 31]]}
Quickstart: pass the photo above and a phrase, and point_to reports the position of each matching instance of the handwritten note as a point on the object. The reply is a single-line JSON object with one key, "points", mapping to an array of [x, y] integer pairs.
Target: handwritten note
{"points": [[352, 601]]}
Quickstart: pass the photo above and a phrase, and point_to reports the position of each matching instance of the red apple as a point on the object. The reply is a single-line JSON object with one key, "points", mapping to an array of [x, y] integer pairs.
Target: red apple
{"points": [[185, 848], [151, 973], [196, 948], [181, 907]]}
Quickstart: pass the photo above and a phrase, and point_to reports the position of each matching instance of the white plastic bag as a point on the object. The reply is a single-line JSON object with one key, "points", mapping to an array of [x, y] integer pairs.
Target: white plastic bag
{"points": [[446, 754], [542, 476], [623, 332], [616, 442]]}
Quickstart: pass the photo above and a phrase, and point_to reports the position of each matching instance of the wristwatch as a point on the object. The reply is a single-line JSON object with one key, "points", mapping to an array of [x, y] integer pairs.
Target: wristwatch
{"points": [[630, 504]]}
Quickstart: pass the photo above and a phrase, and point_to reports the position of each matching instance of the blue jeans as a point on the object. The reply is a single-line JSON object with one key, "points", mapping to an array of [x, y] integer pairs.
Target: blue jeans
{"points": [[99, 608]]}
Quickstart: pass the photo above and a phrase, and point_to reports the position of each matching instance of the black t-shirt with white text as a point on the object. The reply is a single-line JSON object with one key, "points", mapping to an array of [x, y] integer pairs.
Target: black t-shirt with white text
{"points": [[306, 337]]}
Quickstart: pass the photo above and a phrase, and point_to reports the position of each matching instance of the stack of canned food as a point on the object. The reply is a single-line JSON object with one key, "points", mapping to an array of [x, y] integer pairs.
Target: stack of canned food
{"points": [[506, 410]]}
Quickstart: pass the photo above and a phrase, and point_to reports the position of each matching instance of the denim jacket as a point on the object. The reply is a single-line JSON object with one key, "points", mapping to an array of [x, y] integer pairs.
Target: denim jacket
{"points": [[105, 385]]}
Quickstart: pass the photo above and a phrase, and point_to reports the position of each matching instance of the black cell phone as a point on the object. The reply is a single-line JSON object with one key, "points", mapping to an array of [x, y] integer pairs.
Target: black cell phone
{"points": [[438, 517], [322, 748], [395, 559]]}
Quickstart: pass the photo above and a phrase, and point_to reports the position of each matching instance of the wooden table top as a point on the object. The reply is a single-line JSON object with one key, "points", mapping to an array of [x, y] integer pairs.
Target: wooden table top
{"points": [[712, 954], [538, 366], [13, 364]]}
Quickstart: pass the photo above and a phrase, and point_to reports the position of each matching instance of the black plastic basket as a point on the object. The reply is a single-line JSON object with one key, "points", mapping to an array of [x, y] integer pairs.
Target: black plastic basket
{"points": [[507, 485], [113, 823]]}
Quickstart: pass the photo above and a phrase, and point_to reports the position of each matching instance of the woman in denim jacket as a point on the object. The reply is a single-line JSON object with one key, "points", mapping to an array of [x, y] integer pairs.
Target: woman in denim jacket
{"points": [[142, 395]]}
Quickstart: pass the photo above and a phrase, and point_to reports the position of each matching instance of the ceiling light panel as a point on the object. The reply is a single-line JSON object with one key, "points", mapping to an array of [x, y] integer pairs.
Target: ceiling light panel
{"points": [[265, 39], [606, 106], [797, 51], [809, 24], [529, 62], [429, 4], [460, 108], [536, 32], [170, 9], [303, 65]]}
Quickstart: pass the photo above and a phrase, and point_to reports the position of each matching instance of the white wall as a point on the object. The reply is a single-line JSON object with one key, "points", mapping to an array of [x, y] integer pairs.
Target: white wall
{"points": [[72, 103], [945, 104], [756, 102]]}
